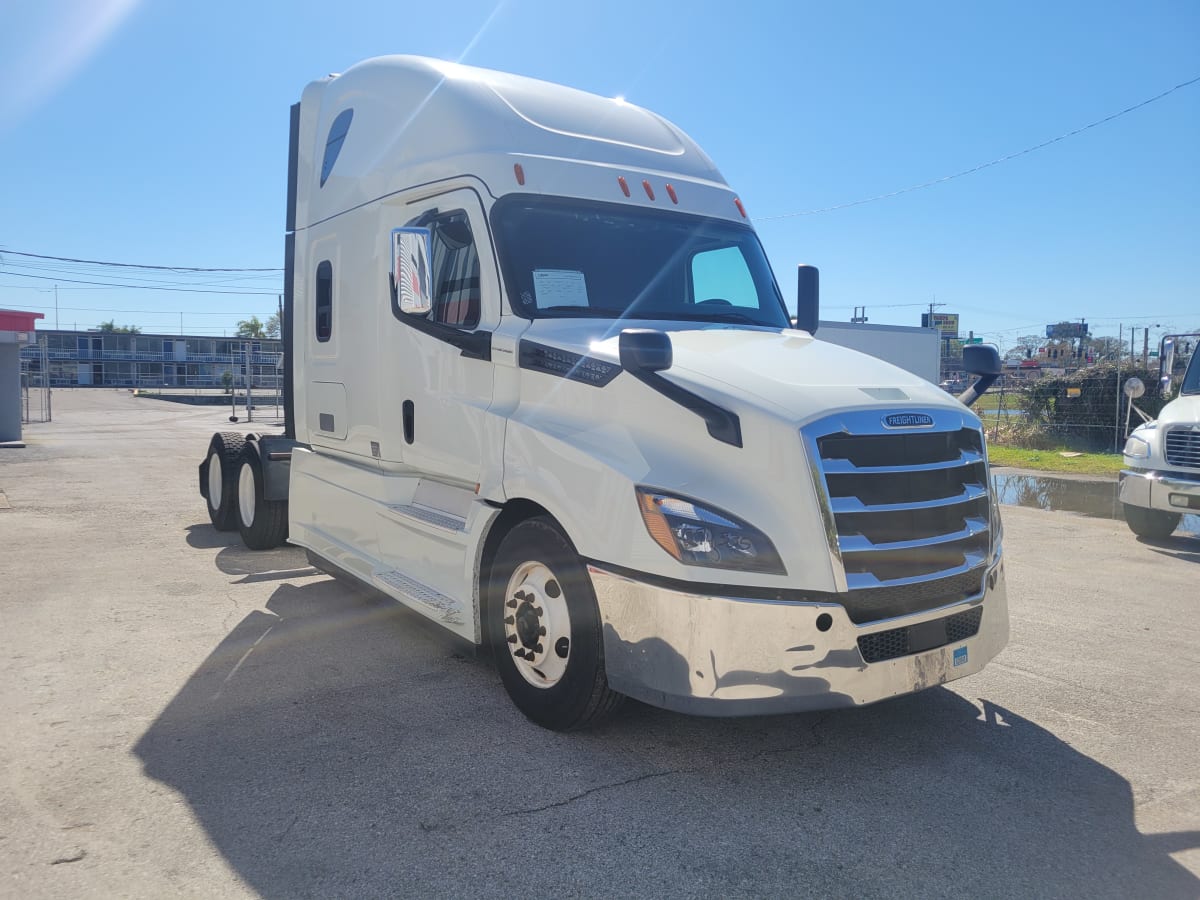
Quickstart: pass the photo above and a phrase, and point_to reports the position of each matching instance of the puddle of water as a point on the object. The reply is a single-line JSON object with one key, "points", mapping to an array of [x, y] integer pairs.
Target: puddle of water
{"points": [[1097, 499]]}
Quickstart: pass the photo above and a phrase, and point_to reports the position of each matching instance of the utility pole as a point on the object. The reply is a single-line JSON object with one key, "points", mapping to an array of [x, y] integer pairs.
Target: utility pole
{"points": [[1117, 392], [56, 307]]}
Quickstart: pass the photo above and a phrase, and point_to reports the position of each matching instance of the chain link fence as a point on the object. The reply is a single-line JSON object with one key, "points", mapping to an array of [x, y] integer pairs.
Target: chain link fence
{"points": [[250, 386], [1086, 410], [35, 385]]}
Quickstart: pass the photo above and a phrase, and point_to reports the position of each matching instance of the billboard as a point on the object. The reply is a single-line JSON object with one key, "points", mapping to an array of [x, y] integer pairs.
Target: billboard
{"points": [[945, 323], [1066, 331]]}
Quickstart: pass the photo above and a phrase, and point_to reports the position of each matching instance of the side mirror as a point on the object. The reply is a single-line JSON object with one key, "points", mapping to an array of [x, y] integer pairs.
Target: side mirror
{"points": [[645, 350], [1166, 367], [808, 298], [411, 288], [982, 360]]}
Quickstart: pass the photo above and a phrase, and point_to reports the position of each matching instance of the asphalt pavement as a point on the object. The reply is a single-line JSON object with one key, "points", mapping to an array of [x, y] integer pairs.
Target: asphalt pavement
{"points": [[184, 717]]}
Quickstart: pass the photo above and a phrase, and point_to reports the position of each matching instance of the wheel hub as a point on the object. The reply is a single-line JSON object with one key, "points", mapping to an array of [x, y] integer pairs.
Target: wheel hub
{"points": [[528, 623], [537, 625]]}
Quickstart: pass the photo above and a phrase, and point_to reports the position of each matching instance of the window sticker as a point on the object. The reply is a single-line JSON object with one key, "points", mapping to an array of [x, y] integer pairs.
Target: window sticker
{"points": [[559, 287]]}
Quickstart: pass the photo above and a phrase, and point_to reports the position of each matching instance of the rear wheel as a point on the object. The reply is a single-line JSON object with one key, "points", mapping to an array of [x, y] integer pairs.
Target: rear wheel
{"points": [[224, 455], [545, 629], [1150, 523], [261, 522]]}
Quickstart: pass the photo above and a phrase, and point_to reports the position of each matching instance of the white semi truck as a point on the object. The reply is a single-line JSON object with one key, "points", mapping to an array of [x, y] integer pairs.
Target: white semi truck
{"points": [[1161, 479], [542, 388]]}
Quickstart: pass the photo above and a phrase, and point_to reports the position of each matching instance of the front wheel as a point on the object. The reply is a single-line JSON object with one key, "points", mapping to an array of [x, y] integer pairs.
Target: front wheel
{"points": [[1150, 523], [544, 628]]}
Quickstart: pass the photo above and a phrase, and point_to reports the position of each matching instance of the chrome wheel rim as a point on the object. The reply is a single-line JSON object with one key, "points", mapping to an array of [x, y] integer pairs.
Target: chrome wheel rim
{"points": [[537, 625], [246, 494]]}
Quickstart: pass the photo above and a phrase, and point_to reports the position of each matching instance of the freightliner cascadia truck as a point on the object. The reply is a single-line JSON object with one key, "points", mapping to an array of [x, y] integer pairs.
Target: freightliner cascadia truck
{"points": [[543, 389]]}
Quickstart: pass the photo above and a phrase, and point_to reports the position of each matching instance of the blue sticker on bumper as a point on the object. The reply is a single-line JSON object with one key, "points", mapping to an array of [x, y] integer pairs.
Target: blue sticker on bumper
{"points": [[960, 656]]}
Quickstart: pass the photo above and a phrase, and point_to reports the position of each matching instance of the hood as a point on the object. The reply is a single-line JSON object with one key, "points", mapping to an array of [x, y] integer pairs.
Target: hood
{"points": [[786, 369], [1183, 410]]}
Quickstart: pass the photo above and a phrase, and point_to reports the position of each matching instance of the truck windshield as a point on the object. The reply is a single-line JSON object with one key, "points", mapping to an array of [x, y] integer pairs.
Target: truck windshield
{"points": [[578, 259], [1191, 380]]}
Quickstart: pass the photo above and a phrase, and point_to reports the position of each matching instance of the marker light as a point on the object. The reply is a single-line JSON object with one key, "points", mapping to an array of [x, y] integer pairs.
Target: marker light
{"points": [[702, 536], [671, 194], [624, 185], [738, 203], [519, 172], [649, 190]]}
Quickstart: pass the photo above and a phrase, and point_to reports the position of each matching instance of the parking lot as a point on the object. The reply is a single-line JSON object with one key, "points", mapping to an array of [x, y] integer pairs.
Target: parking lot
{"points": [[182, 716]]}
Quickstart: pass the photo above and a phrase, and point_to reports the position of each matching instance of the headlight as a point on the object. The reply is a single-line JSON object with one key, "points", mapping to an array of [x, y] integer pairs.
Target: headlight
{"points": [[1137, 448], [702, 536]]}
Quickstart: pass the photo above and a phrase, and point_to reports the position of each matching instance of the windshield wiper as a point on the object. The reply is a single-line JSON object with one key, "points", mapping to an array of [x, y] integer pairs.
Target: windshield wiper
{"points": [[582, 312], [739, 318]]}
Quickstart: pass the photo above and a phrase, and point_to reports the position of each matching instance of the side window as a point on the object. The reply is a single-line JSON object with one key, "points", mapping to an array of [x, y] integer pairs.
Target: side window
{"points": [[333, 143], [456, 295], [324, 301], [723, 275]]}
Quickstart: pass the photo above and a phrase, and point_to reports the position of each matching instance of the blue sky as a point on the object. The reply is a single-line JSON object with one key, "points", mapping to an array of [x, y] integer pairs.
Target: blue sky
{"points": [[156, 132]]}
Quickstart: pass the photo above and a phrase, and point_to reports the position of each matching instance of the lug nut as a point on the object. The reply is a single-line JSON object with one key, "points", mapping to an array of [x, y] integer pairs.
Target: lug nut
{"points": [[510, 620], [512, 638]]}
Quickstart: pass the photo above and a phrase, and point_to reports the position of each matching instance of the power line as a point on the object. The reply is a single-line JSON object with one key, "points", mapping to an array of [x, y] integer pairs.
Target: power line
{"points": [[100, 262], [144, 287], [147, 312], [986, 165]]}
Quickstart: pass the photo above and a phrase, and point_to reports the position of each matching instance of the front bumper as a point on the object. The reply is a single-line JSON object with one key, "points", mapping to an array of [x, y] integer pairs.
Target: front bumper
{"points": [[1167, 491], [730, 656]]}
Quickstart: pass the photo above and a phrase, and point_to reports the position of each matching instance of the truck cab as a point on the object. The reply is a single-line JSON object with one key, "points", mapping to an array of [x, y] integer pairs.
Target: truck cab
{"points": [[546, 392], [1161, 479]]}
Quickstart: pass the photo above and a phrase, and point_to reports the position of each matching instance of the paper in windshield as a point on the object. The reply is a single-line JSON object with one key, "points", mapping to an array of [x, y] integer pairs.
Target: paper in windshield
{"points": [[559, 287]]}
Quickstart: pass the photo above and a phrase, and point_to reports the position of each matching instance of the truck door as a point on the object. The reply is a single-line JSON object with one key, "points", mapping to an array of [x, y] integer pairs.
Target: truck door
{"points": [[440, 364]]}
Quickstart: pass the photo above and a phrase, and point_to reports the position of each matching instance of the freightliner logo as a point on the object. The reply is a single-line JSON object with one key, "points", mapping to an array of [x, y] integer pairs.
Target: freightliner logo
{"points": [[908, 420]]}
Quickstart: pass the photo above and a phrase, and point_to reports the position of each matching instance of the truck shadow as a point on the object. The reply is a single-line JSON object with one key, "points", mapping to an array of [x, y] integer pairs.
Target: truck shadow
{"points": [[235, 558], [1180, 546], [330, 747]]}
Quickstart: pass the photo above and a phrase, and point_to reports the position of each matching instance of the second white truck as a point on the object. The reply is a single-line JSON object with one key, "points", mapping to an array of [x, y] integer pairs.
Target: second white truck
{"points": [[543, 389], [1161, 479]]}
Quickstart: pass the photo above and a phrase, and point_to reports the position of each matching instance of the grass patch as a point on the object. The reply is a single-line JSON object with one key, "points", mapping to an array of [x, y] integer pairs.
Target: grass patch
{"points": [[1054, 461]]}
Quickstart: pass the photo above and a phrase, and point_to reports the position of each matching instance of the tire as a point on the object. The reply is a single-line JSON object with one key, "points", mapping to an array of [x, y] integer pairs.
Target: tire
{"points": [[1150, 523], [544, 629], [261, 522], [224, 454]]}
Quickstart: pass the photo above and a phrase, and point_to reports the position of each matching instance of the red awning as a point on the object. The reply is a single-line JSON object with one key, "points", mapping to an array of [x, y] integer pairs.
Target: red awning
{"points": [[17, 320]]}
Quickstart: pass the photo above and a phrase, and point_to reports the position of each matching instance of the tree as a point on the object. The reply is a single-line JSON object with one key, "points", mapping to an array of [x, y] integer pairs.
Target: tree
{"points": [[251, 328], [110, 327], [1026, 346], [272, 327], [1105, 347]]}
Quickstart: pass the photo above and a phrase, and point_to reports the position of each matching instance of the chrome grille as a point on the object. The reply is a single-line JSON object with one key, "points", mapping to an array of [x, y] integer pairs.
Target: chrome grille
{"points": [[910, 507], [1183, 447]]}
